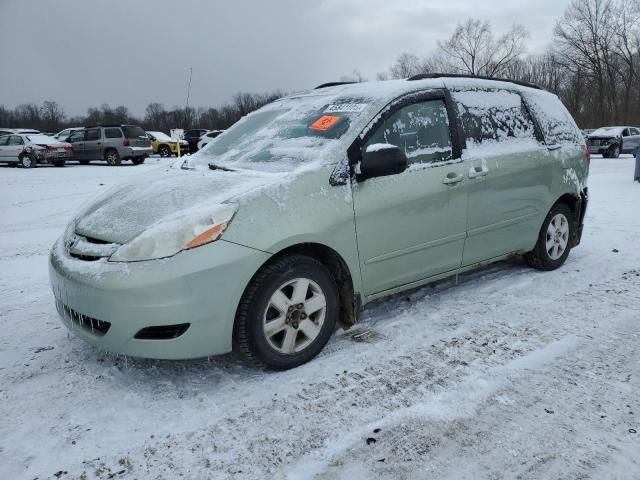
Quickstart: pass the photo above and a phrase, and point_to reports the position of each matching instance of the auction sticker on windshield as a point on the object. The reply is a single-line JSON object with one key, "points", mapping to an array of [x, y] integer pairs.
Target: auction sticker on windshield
{"points": [[346, 108], [324, 123]]}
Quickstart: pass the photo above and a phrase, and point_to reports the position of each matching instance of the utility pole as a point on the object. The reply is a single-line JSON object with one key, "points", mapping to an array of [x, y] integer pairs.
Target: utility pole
{"points": [[186, 108]]}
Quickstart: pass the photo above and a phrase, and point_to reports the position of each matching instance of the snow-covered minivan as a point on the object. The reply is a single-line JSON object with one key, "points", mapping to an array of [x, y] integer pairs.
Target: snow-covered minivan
{"points": [[316, 204]]}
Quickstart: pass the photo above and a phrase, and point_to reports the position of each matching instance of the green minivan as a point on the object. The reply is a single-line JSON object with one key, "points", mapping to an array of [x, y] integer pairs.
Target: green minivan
{"points": [[290, 222]]}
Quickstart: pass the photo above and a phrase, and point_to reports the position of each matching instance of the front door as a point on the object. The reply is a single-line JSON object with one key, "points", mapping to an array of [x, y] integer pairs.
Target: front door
{"points": [[411, 226], [93, 144], [76, 139]]}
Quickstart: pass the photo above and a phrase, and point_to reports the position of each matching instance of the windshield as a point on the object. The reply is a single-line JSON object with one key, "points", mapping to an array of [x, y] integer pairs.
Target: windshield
{"points": [[161, 136], [284, 134]]}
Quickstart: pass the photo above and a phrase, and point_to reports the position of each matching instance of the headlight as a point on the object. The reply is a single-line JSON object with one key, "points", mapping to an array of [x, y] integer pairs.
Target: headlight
{"points": [[183, 231]]}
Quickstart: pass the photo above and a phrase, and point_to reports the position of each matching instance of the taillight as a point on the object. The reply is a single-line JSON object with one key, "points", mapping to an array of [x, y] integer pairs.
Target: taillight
{"points": [[125, 142], [587, 153], [51, 148], [68, 149]]}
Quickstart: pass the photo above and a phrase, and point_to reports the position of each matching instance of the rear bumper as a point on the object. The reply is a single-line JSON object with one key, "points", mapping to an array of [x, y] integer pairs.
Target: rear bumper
{"points": [[136, 152], [584, 197], [200, 287]]}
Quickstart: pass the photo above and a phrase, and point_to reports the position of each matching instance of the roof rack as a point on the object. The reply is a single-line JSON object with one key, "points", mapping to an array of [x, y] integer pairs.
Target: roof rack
{"points": [[333, 84], [424, 76]]}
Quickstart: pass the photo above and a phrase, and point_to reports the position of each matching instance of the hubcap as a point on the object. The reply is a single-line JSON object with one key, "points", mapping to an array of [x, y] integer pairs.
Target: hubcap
{"points": [[557, 236], [294, 315], [27, 161]]}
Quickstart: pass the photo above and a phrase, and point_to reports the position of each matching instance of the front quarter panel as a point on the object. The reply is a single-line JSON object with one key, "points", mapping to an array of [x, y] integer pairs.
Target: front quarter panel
{"points": [[304, 209]]}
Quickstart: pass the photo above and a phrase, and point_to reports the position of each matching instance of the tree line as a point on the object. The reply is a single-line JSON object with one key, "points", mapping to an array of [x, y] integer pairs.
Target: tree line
{"points": [[592, 63], [50, 116]]}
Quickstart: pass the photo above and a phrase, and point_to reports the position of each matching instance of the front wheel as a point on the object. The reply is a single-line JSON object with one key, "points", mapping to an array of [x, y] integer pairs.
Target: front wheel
{"points": [[614, 152], [555, 239], [287, 313]]}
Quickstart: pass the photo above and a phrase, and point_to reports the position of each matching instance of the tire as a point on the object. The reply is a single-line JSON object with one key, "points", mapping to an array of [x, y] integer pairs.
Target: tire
{"points": [[59, 163], [137, 161], [299, 334], [27, 160], [614, 152], [112, 157], [555, 239], [164, 151], [84, 162]]}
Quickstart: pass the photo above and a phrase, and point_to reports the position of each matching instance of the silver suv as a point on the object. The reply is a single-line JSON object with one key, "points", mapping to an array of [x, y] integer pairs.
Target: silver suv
{"points": [[112, 143]]}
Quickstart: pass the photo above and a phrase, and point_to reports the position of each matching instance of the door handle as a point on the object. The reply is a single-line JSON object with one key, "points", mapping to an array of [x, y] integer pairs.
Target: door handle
{"points": [[476, 172], [554, 147], [99, 143], [452, 179]]}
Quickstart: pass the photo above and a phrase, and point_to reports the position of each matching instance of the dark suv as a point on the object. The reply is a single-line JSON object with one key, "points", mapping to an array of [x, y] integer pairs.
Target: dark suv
{"points": [[193, 136], [112, 143]]}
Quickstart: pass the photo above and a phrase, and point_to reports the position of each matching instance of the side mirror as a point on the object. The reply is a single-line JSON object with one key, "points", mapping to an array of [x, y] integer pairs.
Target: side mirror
{"points": [[381, 159]]}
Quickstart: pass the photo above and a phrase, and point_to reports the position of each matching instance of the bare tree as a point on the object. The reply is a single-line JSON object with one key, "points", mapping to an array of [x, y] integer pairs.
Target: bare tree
{"points": [[473, 50], [407, 65], [52, 115]]}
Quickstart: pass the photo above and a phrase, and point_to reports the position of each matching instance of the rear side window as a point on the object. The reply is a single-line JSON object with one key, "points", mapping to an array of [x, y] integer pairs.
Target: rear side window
{"points": [[15, 140], [93, 134], [133, 131], [112, 133], [489, 116], [420, 129], [555, 121]]}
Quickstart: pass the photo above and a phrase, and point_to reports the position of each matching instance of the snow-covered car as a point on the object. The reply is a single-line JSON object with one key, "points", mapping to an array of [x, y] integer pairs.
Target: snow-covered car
{"points": [[7, 131], [28, 150], [208, 137], [313, 206], [166, 146], [610, 142]]}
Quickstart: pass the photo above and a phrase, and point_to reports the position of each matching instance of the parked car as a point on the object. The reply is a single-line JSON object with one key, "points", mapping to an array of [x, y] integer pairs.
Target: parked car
{"points": [[193, 136], [208, 137], [610, 142], [20, 131], [317, 204], [166, 146], [112, 143], [63, 135], [27, 150]]}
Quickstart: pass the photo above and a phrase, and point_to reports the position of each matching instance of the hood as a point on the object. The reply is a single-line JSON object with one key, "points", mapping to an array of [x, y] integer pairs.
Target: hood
{"points": [[606, 132], [125, 212]]}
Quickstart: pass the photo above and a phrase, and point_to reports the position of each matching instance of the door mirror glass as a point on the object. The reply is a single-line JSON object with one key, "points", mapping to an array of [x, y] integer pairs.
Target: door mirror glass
{"points": [[382, 159]]}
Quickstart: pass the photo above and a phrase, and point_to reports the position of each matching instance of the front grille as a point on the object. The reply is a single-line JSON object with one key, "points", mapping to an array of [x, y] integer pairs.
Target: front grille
{"points": [[89, 249], [97, 241], [86, 258], [90, 324]]}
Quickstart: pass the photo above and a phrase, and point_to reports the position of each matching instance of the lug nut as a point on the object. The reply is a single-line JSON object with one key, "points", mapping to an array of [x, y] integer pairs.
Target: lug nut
{"points": [[291, 308], [299, 306], [303, 316], [295, 324]]}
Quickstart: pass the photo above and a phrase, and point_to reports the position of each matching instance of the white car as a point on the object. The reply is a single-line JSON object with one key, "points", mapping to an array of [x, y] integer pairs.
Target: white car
{"points": [[28, 150], [63, 135], [208, 137]]}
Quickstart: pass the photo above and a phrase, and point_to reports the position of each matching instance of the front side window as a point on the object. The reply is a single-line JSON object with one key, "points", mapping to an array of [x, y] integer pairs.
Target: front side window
{"points": [[93, 134], [77, 136], [420, 129], [112, 133], [4, 140]]}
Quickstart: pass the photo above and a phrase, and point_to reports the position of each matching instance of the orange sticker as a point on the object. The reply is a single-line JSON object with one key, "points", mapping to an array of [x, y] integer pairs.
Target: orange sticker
{"points": [[324, 123]]}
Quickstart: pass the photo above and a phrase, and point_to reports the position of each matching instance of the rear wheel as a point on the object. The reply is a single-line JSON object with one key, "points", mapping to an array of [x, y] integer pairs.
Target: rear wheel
{"points": [[164, 151], [112, 157], [27, 160], [555, 239], [287, 313], [137, 161], [84, 162], [59, 163]]}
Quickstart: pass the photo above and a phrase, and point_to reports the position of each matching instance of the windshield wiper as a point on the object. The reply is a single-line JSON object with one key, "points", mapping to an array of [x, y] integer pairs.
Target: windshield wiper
{"points": [[213, 166]]}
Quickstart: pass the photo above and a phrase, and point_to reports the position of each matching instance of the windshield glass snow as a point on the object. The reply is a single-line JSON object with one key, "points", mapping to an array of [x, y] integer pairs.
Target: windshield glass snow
{"points": [[284, 134]]}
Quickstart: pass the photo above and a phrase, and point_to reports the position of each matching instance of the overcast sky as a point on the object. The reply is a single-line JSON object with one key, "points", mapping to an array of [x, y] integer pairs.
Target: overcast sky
{"points": [[84, 53]]}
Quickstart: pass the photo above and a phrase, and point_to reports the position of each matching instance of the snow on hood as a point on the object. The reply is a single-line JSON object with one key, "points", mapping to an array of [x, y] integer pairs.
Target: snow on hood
{"points": [[607, 132], [125, 212]]}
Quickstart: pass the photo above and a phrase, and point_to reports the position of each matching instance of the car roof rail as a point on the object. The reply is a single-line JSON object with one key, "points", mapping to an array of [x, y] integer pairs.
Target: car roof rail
{"points": [[425, 76], [333, 84]]}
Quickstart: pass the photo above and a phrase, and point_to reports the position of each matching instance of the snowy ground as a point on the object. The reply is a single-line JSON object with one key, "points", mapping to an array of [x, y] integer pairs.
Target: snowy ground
{"points": [[512, 373]]}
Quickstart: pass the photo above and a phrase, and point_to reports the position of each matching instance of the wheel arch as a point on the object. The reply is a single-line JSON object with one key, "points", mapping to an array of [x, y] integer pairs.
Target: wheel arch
{"points": [[350, 301]]}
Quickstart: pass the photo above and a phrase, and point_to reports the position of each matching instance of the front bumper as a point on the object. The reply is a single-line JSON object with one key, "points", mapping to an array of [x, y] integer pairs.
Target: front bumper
{"points": [[201, 287]]}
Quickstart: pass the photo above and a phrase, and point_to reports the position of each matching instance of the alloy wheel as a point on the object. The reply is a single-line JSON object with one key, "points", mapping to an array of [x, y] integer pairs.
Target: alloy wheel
{"points": [[294, 315], [557, 236]]}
